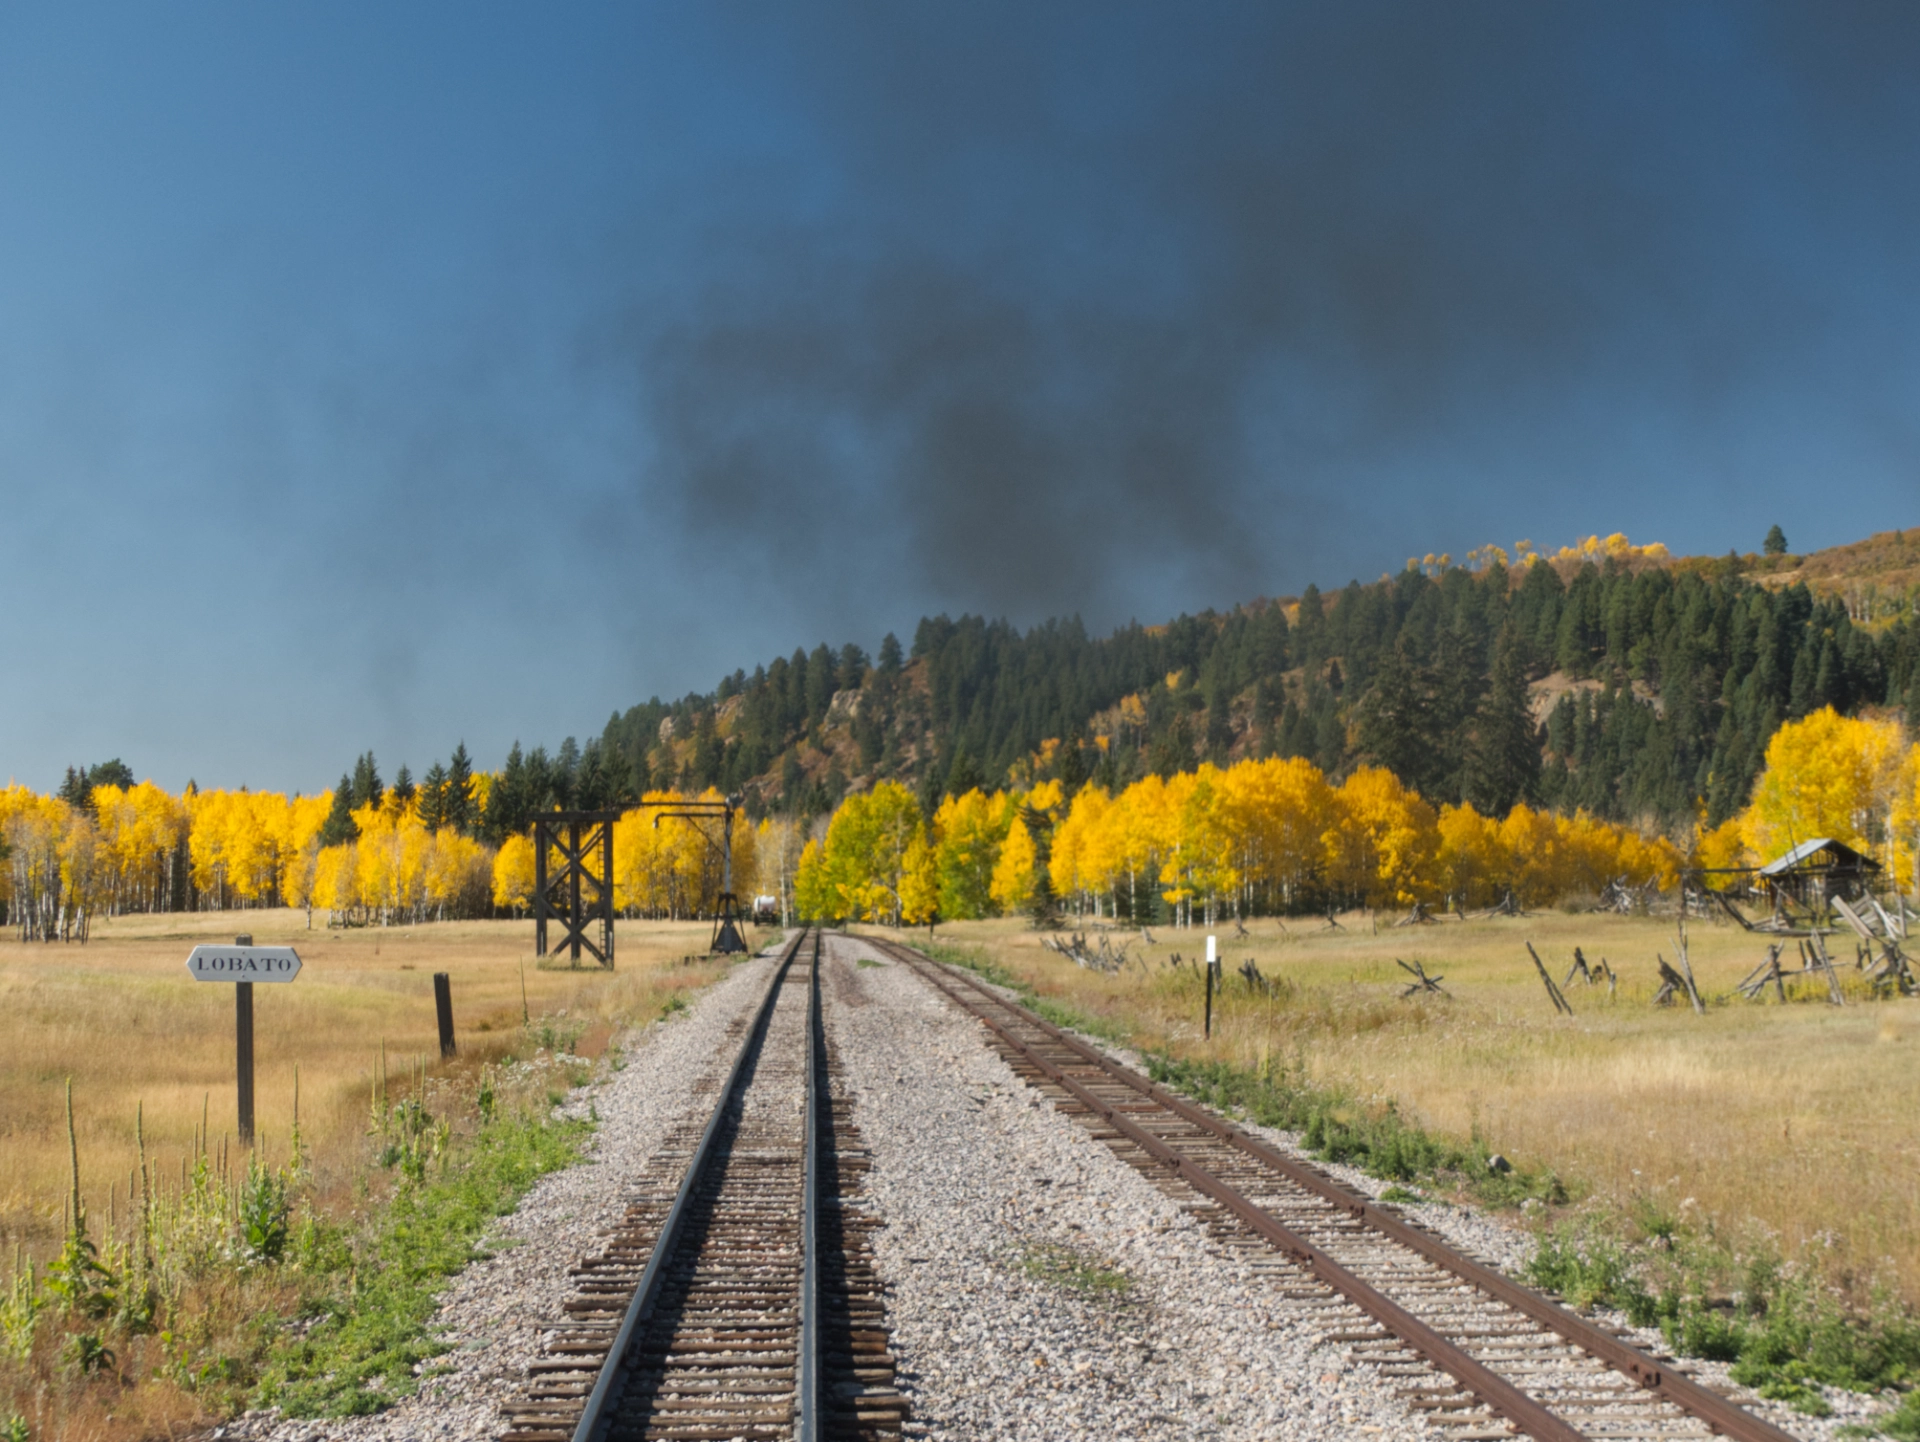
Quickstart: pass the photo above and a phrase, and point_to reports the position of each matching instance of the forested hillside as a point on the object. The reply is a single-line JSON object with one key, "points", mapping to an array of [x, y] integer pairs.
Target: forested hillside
{"points": [[1613, 678]]}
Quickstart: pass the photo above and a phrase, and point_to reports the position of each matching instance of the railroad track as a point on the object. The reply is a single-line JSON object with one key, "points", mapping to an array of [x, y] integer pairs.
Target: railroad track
{"points": [[1476, 1352], [736, 1299]]}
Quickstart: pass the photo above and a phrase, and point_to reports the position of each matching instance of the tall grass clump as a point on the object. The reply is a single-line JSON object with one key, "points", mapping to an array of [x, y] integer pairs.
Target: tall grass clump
{"points": [[236, 1281]]}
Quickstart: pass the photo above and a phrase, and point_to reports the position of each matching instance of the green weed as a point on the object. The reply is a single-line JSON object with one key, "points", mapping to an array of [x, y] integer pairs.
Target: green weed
{"points": [[1062, 1266], [1904, 1422], [977, 961], [1337, 1128], [265, 1214], [367, 1344], [1591, 1269], [1785, 1335]]}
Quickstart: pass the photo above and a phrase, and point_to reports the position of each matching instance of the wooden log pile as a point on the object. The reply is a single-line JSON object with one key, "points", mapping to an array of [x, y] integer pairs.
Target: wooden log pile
{"points": [[1674, 983], [1767, 973], [1104, 957], [1251, 974], [1591, 975], [1876, 927], [1621, 896], [1422, 983], [1506, 906]]}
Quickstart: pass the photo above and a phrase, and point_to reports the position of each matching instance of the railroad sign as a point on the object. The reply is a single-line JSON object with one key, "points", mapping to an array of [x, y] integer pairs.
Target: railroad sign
{"points": [[244, 963], [240, 966]]}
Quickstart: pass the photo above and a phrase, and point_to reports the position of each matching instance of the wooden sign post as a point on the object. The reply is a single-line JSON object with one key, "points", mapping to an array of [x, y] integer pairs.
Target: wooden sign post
{"points": [[243, 964]]}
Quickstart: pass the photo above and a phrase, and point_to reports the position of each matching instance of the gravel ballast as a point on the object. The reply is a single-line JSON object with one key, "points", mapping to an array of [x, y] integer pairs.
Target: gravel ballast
{"points": [[1037, 1286], [1042, 1289], [492, 1314], [1497, 1242]]}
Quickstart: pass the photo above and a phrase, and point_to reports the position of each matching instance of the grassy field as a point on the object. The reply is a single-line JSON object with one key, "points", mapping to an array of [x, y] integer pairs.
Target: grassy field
{"points": [[122, 1019], [1798, 1122]]}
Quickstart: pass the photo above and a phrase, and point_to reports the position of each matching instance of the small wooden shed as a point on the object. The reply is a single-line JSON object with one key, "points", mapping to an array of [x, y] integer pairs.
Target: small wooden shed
{"points": [[1817, 870]]}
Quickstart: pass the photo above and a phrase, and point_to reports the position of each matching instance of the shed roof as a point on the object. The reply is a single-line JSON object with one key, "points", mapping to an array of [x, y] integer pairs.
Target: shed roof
{"points": [[1807, 850]]}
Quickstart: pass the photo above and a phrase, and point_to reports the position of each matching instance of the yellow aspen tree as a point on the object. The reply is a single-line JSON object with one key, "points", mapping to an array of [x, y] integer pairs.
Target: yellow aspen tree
{"points": [[336, 873], [81, 874], [1278, 812], [1642, 859], [969, 830], [865, 850], [1536, 865], [920, 882], [305, 816], [1471, 859], [513, 874], [1198, 859], [1826, 775], [648, 859], [746, 859], [812, 893], [1146, 835], [36, 827], [1721, 847], [1904, 821], [1073, 861], [777, 842], [458, 874], [1011, 887], [633, 842], [1385, 840], [114, 821], [1047, 797], [207, 845]]}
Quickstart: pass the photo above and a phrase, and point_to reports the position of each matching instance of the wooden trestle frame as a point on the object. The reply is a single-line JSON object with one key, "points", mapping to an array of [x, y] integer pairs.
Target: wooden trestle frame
{"points": [[574, 893]]}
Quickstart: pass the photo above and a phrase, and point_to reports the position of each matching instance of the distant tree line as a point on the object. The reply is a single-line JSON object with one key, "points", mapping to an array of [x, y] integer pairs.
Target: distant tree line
{"points": [[1672, 677]]}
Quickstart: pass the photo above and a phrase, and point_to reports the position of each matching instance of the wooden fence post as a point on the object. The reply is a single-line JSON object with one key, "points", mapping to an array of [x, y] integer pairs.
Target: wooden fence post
{"points": [[443, 1006]]}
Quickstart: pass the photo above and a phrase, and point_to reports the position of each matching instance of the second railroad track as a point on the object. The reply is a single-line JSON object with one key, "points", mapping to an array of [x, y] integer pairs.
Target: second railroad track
{"points": [[1479, 1354]]}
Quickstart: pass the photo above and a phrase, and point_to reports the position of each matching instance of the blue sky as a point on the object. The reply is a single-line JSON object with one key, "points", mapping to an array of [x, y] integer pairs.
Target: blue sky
{"points": [[389, 376]]}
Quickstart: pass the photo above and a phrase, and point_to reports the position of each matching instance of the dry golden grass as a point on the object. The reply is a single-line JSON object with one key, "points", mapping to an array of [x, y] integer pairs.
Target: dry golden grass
{"points": [[123, 1019], [1802, 1120]]}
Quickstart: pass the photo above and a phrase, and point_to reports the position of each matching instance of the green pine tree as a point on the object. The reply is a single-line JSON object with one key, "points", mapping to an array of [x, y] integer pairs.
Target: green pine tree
{"points": [[459, 808], [368, 789], [1503, 759], [340, 826], [433, 798], [510, 804], [964, 774]]}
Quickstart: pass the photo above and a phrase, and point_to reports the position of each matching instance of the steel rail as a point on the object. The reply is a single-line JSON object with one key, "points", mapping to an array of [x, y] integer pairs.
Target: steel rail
{"points": [[1499, 1395], [611, 1382], [1718, 1413], [806, 1409]]}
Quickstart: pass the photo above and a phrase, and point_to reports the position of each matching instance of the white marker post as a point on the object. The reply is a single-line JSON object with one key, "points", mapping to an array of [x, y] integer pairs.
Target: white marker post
{"points": [[243, 964]]}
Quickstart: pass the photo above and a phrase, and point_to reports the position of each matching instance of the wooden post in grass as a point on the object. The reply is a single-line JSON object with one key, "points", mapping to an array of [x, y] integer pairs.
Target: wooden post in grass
{"points": [[243, 1056], [443, 1009], [1553, 992]]}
